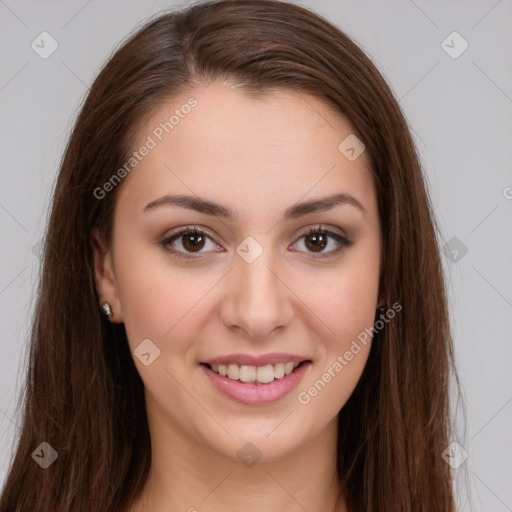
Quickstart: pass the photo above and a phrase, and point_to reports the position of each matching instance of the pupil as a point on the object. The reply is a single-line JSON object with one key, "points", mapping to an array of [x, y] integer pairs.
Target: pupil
{"points": [[318, 245], [196, 238]]}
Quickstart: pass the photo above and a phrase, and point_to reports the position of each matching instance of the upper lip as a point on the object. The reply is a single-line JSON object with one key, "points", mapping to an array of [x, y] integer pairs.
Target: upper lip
{"points": [[263, 360]]}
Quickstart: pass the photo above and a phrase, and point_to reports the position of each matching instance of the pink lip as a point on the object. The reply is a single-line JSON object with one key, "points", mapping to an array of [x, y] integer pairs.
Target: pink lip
{"points": [[256, 394], [263, 360]]}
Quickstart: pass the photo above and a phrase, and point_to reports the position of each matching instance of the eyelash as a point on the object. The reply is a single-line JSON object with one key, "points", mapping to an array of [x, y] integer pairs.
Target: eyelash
{"points": [[343, 241]]}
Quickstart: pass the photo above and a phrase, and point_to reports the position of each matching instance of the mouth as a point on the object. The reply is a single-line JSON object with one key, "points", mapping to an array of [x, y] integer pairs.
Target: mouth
{"points": [[255, 385], [255, 375]]}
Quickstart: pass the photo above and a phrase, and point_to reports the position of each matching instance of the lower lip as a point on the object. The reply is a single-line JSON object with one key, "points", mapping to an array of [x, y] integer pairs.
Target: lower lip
{"points": [[257, 394]]}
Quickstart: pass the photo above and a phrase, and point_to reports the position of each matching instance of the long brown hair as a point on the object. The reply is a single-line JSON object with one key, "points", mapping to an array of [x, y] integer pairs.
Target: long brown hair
{"points": [[83, 394]]}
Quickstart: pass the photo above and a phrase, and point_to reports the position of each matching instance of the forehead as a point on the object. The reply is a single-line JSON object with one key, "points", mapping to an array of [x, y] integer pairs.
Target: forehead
{"points": [[216, 141]]}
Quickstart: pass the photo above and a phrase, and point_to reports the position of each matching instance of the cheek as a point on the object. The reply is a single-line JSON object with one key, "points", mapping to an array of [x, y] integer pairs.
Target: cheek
{"points": [[157, 301], [347, 309], [345, 299]]}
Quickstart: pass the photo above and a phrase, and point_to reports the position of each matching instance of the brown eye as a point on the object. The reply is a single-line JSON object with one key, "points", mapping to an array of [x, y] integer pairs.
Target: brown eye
{"points": [[316, 242], [317, 239], [192, 241]]}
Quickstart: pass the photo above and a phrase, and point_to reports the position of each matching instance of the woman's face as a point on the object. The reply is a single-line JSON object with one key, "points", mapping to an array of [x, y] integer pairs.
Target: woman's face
{"points": [[254, 175]]}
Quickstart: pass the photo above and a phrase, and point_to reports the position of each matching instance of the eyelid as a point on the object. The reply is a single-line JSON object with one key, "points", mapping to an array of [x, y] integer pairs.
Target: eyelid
{"points": [[324, 229], [184, 230]]}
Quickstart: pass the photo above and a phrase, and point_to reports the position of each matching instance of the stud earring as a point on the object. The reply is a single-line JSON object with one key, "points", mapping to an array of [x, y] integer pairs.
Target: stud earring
{"points": [[105, 307], [381, 310]]}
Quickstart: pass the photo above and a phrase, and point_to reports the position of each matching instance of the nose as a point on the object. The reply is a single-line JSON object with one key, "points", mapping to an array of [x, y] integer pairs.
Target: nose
{"points": [[258, 300]]}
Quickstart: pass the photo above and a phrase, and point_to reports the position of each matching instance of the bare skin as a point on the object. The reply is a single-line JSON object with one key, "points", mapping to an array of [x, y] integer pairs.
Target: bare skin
{"points": [[257, 157]]}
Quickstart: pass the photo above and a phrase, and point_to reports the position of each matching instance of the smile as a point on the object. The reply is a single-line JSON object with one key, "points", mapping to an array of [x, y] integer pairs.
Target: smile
{"points": [[256, 385], [259, 374]]}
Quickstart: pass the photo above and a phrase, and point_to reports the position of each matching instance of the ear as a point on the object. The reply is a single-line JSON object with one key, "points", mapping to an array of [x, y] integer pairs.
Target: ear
{"points": [[104, 275]]}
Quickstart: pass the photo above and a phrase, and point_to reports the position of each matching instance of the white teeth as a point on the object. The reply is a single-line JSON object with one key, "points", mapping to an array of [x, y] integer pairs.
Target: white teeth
{"points": [[233, 371], [265, 374], [261, 374], [247, 373], [288, 367], [279, 370]]}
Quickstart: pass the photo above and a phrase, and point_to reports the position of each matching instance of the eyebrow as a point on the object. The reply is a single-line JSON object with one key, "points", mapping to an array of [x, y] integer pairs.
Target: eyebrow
{"points": [[295, 211]]}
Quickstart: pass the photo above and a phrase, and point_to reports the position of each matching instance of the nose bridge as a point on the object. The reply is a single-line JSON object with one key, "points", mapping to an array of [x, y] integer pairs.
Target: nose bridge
{"points": [[259, 300]]}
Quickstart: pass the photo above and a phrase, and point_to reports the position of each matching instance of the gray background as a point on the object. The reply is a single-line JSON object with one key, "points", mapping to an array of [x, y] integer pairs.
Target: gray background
{"points": [[460, 112]]}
